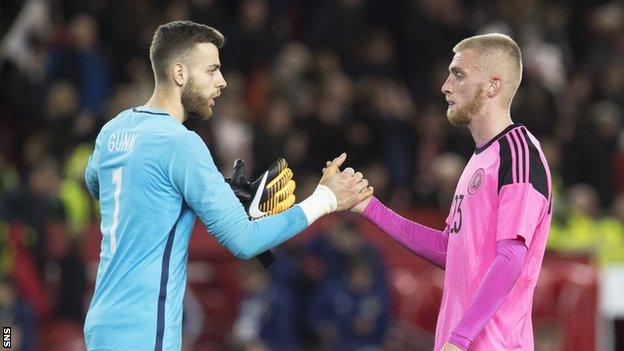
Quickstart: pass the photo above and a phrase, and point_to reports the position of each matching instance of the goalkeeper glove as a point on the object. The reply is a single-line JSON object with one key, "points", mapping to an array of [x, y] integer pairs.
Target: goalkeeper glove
{"points": [[271, 193]]}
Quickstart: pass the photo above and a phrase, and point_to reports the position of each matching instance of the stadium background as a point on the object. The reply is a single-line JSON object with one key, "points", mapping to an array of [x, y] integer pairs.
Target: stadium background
{"points": [[307, 80]]}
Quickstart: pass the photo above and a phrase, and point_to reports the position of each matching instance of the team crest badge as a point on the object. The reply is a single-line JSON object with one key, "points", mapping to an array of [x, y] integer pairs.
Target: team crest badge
{"points": [[476, 181]]}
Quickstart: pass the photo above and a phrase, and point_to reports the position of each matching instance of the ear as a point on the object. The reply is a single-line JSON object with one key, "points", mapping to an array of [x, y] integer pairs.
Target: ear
{"points": [[179, 74], [494, 87]]}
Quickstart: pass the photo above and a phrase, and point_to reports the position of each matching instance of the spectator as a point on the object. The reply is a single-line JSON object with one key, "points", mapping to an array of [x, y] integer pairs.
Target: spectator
{"points": [[267, 317], [83, 61], [351, 312], [16, 313]]}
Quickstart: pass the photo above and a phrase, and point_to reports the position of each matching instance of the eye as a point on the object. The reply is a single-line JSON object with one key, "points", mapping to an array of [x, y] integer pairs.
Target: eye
{"points": [[459, 76]]}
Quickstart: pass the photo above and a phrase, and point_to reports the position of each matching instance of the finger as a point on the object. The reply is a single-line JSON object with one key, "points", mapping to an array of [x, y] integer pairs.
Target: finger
{"points": [[349, 171], [362, 185], [281, 179], [287, 190], [358, 176], [284, 205], [366, 194], [238, 171], [327, 163], [334, 165]]}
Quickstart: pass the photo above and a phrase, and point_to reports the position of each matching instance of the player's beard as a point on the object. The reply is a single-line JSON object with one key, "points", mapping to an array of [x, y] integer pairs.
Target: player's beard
{"points": [[194, 102], [461, 116]]}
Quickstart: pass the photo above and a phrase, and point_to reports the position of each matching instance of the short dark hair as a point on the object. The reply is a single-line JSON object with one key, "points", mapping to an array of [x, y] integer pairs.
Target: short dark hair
{"points": [[173, 39]]}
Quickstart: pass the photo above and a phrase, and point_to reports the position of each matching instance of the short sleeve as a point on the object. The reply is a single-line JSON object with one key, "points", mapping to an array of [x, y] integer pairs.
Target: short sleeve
{"points": [[520, 210], [523, 186]]}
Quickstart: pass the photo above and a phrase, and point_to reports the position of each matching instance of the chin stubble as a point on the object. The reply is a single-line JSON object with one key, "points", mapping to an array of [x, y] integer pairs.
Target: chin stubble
{"points": [[463, 115]]}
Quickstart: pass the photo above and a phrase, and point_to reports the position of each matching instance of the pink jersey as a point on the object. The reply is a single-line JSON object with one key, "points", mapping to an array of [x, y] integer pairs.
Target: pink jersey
{"points": [[503, 193]]}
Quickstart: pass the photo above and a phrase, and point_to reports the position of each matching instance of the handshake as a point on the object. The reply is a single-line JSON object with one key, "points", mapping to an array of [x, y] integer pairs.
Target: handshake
{"points": [[273, 191]]}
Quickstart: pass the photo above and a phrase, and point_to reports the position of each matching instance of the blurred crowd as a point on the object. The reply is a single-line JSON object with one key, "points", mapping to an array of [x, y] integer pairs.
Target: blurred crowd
{"points": [[306, 81], [330, 294]]}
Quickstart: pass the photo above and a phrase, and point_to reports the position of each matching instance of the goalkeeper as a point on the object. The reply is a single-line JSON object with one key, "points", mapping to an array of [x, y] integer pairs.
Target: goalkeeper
{"points": [[152, 177]]}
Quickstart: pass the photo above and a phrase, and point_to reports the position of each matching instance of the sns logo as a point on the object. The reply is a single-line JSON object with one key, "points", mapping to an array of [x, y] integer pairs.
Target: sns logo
{"points": [[6, 337], [476, 181]]}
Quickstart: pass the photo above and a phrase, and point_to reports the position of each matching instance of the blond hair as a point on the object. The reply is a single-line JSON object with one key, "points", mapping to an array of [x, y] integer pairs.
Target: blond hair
{"points": [[501, 55]]}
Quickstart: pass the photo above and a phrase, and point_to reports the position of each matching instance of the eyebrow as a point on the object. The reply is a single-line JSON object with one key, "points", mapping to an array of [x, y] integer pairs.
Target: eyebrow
{"points": [[217, 66], [455, 69]]}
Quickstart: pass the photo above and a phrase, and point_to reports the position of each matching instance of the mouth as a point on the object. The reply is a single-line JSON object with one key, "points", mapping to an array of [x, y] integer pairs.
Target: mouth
{"points": [[212, 100]]}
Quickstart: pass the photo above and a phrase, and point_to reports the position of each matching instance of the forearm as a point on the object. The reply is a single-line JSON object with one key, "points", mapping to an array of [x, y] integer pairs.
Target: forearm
{"points": [[430, 244], [260, 235], [494, 288], [257, 236]]}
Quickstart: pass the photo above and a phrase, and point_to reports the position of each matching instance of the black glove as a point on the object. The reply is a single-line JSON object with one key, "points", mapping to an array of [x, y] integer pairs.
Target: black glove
{"points": [[271, 193]]}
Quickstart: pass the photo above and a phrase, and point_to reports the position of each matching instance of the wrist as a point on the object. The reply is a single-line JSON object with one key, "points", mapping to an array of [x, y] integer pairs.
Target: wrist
{"points": [[460, 341], [372, 204], [361, 206], [322, 201]]}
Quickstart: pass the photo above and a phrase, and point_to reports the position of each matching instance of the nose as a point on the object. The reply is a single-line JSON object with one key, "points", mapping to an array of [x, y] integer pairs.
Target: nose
{"points": [[445, 87], [220, 82]]}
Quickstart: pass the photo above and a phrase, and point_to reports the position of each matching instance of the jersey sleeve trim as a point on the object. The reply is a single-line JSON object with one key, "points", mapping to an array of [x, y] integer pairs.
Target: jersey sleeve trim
{"points": [[520, 162], [537, 176]]}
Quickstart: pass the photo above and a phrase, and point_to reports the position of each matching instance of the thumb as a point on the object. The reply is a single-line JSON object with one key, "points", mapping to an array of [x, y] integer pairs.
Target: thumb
{"points": [[238, 173], [334, 166]]}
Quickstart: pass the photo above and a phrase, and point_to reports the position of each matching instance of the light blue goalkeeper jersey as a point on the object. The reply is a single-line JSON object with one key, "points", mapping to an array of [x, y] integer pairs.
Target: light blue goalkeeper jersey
{"points": [[152, 176]]}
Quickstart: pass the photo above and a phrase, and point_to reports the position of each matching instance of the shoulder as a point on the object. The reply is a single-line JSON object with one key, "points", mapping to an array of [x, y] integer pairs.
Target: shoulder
{"points": [[186, 138], [187, 145], [112, 125], [120, 121], [522, 161]]}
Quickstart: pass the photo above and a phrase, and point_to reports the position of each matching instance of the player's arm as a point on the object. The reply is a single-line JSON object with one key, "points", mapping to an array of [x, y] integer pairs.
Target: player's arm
{"points": [[520, 209], [196, 177], [494, 288], [428, 243], [91, 173], [271, 193]]}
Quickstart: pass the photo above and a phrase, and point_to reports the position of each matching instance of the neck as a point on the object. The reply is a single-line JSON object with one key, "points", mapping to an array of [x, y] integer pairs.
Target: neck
{"points": [[168, 100], [485, 128]]}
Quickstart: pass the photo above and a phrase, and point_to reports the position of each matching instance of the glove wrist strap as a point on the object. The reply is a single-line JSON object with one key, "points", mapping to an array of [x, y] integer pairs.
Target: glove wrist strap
{"points": [[322, 201]]}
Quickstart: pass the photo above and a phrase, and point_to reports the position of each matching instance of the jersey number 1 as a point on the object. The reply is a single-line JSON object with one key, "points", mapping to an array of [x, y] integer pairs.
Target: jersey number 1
{"points": [[117, 182]]}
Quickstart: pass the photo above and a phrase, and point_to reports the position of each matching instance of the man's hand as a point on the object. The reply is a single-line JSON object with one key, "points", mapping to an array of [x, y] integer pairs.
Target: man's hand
{"points": [[450, 347], [271, 193], [361, 206], [349, 187]]}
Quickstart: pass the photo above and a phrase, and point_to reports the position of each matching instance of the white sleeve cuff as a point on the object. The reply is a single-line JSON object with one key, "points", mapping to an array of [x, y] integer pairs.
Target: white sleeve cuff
{"points": [[322, 201]]}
